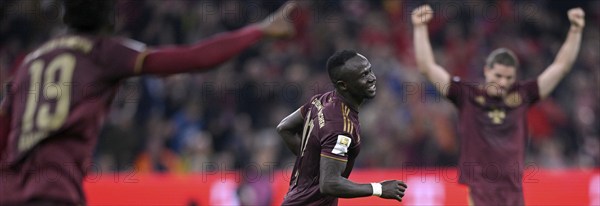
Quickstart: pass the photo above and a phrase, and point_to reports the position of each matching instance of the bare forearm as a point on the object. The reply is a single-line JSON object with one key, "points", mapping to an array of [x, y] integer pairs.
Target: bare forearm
{"points": [[344, 188], [423, 51], [425, 62], [569, 50], [332, 183], [567, 54], [292, 141], [289, 128]]}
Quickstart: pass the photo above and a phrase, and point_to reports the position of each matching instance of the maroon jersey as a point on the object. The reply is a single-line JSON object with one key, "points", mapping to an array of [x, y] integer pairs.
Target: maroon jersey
{"points": [[57, 101], [331, 130], [493, 132]]}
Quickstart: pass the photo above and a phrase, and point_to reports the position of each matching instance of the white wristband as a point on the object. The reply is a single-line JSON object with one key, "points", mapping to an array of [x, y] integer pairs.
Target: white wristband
{"points": [[376, 189]]}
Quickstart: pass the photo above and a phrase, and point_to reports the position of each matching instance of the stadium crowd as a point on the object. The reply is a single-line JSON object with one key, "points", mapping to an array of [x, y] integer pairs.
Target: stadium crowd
{"points": [[225, 119]]}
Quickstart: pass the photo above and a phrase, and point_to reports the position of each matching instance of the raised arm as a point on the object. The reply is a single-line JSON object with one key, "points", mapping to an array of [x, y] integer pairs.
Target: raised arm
{"points": [[289, 128], [332, 183], [567, 54], [423, 52], [216, 50]]}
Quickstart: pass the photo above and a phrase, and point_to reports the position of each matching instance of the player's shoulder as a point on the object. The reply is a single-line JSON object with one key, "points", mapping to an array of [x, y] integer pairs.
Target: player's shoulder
{"points": [[319, 101], [131, 44], [523, 86], [337, 118], [460, 82], [332, 106], [77, 43], [529, 89], [85, 44], [462, 87], [118, 42]]}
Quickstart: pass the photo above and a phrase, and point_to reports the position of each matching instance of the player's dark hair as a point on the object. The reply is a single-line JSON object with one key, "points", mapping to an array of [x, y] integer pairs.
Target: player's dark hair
{"points": [[336, 62], [502, 56], [87, 15]]}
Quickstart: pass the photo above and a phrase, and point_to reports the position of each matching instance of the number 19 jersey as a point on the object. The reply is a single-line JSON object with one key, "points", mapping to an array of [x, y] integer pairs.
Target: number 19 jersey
{"points": [[57, 100]]}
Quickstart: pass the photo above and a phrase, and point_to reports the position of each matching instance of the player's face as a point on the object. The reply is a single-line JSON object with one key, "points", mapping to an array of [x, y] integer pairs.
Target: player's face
{"points": [[361, 79], [499, 78]]}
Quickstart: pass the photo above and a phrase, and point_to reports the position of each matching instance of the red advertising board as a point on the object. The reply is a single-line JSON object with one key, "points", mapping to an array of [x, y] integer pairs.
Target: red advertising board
{"points": [[425, 187]]}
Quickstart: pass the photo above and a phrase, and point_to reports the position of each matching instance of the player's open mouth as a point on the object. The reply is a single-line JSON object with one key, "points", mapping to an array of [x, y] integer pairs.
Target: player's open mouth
{"points": [[372, 87]]}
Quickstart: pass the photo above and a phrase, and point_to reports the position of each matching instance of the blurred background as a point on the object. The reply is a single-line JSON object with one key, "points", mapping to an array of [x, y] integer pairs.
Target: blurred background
{"points": [[225, 119]]}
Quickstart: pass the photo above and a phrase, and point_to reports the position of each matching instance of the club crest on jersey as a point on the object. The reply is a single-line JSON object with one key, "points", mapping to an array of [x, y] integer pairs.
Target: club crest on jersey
{"points": [[513, 99], [341, 146], [497, 116]]}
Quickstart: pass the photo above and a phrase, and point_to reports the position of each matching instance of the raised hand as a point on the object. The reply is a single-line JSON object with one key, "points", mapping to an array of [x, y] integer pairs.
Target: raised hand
{"points": [[422, 15], [576, 17], [393, 189], [279, 24]]}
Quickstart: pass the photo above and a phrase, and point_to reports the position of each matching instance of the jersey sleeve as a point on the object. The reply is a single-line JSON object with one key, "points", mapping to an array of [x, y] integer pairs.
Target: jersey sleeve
{"points": [[203, 55], [335, 144], [121, 57], [531, 91], [306, 107], [456, 92]]}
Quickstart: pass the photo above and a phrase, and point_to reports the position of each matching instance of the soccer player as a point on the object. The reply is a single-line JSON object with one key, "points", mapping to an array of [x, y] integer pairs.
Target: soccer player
{"points": [[492, 117], [330, 138], [62, 91]]}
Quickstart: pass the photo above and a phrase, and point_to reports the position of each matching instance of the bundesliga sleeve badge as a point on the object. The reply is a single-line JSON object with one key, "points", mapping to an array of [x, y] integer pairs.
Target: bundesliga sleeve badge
{"points": [[341, 146]]}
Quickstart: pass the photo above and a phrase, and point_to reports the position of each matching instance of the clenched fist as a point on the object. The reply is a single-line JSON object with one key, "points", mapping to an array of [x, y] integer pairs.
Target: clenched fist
{"points": [[576, 17], [422, 15], [393, 189], [279, 23]]}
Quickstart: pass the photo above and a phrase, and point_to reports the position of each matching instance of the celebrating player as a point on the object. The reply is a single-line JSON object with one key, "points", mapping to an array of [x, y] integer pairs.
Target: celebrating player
{"points": [[330, 138], [492, 117], [62, 91]]}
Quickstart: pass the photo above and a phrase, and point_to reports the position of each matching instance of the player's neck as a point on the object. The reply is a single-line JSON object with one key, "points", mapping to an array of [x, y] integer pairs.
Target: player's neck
{"points": [[351, 102]]}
